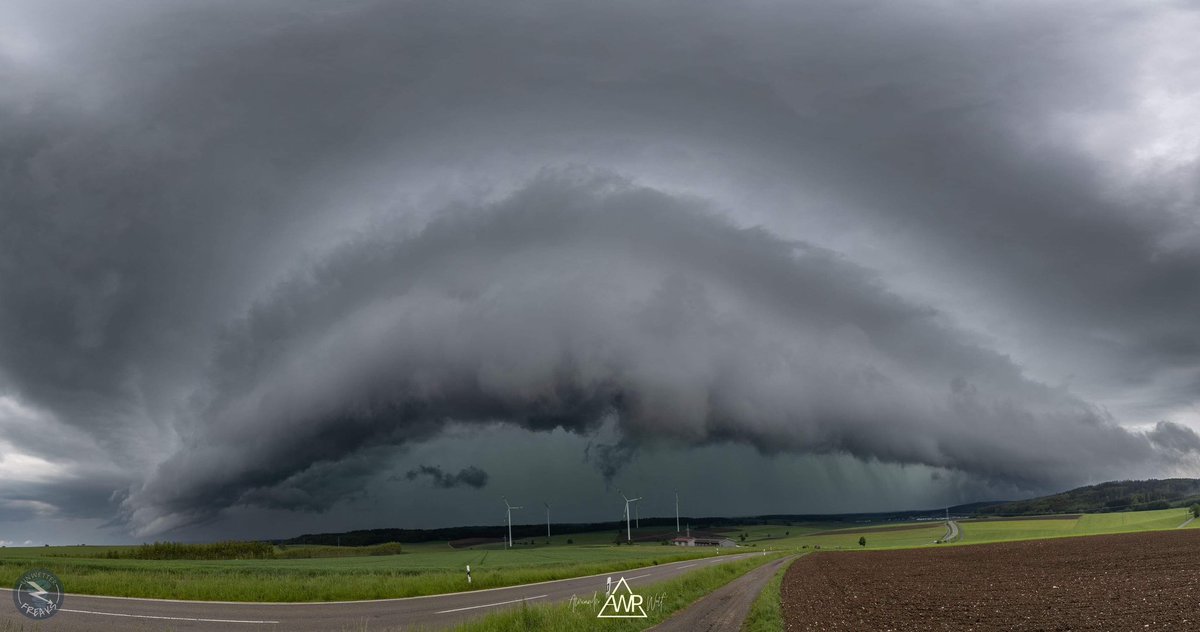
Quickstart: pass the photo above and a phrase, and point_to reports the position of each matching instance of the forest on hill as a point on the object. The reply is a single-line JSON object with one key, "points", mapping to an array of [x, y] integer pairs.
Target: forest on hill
{"points": [[1106, 497]]}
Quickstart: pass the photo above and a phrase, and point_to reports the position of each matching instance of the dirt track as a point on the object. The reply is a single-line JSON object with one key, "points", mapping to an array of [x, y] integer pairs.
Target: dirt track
{"points": [[724, 609], [1143, 581]]}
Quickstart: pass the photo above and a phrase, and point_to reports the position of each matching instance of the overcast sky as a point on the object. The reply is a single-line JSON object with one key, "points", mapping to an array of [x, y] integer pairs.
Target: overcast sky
{"points": [[277, 267]]}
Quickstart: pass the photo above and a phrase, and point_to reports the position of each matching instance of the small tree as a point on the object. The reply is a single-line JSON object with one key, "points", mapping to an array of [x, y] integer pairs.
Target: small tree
{"points": [[1196, 510], [862, 541]]}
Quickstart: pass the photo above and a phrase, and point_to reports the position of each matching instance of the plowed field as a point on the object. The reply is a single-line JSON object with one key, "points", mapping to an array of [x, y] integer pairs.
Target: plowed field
{"points": [[1137, 581]]}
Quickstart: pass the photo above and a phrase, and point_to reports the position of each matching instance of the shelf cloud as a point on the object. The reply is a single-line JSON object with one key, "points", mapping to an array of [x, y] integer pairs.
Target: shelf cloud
{"points": [[252, 257]]}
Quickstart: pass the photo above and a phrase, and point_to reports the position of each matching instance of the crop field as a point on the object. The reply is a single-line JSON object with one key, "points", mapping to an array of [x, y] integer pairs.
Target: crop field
{"points": [[839, 535], [992, 530], [1107, 582], [428, 569]]}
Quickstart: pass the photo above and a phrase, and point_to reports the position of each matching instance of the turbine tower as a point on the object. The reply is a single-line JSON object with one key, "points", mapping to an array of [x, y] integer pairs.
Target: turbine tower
{"points": [[509, 509], [677, 511], [547, 522], [628, 531]]}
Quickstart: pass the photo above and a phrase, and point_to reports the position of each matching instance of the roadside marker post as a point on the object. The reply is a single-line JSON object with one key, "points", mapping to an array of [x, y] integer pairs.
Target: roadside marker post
{"points": [[608, 587], [468, 573]]}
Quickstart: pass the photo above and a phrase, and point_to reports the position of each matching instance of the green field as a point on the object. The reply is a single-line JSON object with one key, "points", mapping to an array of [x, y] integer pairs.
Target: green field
{"points": [[1087, 524], [429, 569], [839, 535]]}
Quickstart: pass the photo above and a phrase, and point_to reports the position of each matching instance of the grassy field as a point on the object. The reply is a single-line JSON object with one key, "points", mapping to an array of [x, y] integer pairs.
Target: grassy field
{"points": [[1087, 524], [904, 535], [663, 599], [839, 535], [427, 570]]}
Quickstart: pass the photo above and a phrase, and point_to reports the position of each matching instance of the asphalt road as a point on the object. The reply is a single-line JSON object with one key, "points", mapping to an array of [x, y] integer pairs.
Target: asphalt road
{"points": [[951, 531], [724, 609], [82, 613]]}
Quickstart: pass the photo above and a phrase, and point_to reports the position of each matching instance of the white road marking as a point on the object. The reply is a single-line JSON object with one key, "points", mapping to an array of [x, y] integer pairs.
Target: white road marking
{"points": [[489, 605], [638, 577], [687, 566], [148, 616]]}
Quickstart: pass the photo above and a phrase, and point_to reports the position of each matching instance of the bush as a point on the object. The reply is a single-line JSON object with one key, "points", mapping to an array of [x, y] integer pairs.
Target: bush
{"points": [[231, 550], [1196, 510], [390, 548], [862, 541]]}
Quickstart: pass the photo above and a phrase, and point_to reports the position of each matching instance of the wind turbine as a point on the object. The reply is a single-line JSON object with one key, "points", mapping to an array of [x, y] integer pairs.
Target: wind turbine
{"points": [[628, 531], [677, 511], [547, 522], [509, 509]]}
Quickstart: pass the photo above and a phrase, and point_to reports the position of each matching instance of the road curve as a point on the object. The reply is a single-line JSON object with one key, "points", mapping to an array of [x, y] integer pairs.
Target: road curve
{"points": [[724, 609], [85, 613], [951, 531]]}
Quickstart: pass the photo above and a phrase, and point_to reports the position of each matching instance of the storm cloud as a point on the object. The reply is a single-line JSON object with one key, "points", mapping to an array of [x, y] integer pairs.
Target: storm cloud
{"points": [[251, 254]]}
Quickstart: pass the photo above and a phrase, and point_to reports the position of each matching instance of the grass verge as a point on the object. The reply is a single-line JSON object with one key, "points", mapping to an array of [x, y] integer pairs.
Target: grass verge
{"points": [[662, 600], [766, 615]]}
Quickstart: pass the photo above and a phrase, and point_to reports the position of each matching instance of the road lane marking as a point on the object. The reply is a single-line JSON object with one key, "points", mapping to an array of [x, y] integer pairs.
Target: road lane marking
{"points": [[150, 616], [489, 605], [687, 566], [638, 577]]}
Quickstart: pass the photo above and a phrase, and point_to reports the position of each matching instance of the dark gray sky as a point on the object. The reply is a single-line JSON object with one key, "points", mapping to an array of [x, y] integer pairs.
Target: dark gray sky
{"points": [[379, 263]]}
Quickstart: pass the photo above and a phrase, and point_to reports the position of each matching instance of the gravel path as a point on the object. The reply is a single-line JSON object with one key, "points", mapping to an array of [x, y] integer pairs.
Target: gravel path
{"points": [[724, 609]]}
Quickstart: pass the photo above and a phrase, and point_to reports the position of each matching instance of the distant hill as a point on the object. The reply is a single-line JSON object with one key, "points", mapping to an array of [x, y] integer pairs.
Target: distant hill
{"points": [[537, 530], [1105, 497], [367, 537]]}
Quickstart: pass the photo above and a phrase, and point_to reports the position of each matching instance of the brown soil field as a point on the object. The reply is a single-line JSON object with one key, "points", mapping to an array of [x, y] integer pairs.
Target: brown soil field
{"points": [[1135, 581], [905, 527], [1011, 518], [466, 542]]}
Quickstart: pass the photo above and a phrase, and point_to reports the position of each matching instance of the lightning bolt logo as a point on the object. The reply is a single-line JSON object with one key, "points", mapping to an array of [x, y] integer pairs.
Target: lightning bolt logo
{"points": [[38, 594], [37, 591]]}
